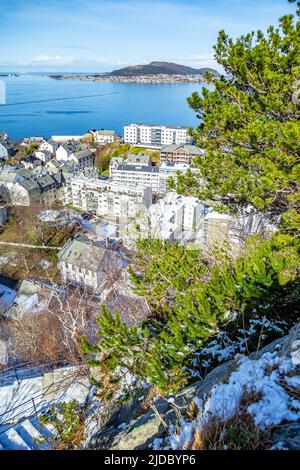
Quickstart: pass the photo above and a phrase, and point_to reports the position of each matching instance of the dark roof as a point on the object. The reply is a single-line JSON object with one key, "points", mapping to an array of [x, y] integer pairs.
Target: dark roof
{"points": [[8, 282], [141, 169], [83, 154]]}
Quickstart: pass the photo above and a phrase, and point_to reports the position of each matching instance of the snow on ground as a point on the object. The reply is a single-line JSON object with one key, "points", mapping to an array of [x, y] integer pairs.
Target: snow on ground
{"points": [[48, 215], [45, 264], [223, 348], [62, 217], [16, 398], [266, 376], [7, 297]]}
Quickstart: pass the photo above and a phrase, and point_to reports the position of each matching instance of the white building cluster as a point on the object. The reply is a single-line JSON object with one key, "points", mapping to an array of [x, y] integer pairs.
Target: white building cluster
{"points": [[174, 217]]}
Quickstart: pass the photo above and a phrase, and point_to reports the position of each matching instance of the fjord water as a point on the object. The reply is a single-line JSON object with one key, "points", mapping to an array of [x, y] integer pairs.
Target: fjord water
{"points": [[41, 106]]}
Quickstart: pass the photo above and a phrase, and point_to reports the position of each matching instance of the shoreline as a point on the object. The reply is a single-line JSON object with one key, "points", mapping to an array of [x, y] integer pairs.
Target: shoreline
{"points": [[173, 79]]}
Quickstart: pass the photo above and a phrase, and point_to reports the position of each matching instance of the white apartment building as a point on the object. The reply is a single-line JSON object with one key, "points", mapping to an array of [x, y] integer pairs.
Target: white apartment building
{"points": [[131, 175], [155, 135], [217, 228], [173, 217], [112, 199], [146, 175], [175, 214]]}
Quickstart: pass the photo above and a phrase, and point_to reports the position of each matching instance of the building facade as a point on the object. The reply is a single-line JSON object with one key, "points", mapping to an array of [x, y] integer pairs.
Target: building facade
{"points": [[182, 154], [110, 199], [6, 148], [146, 174], [155, 135], [85, 264], [104, 137]]}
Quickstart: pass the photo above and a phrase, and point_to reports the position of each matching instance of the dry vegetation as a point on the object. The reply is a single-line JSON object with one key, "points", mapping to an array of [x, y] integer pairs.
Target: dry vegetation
{"points": [[237, 433], [24, 227], [54, 333]]}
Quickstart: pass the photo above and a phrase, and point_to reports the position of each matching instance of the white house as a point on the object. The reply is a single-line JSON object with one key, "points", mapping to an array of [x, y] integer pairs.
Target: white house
{"points": [[48, 146], [65, 152], [43, 155], [103, 136]]}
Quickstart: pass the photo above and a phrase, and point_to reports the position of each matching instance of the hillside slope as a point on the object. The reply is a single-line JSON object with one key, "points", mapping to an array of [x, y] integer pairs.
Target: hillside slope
{"points": [[155, 68]]}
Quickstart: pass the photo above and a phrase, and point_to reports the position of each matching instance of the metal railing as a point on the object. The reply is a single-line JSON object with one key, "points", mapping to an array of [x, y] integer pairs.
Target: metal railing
{"points": [[9, 418]]}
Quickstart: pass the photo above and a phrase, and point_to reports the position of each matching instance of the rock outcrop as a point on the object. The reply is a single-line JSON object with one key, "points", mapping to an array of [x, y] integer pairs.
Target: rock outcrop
{"points": [[134, 427]]}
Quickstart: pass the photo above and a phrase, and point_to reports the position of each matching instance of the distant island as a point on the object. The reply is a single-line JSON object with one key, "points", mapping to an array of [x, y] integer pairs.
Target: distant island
{"points": [[9, 75], [155, 72]]}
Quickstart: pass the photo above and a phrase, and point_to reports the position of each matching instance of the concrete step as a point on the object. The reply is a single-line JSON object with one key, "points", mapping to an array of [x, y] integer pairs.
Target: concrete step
{"points": [[11, 440], [29, 433]]}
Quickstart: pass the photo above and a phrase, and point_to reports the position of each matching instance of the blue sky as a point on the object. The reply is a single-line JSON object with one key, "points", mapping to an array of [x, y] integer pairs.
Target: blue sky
{"points": [[99, 35]]}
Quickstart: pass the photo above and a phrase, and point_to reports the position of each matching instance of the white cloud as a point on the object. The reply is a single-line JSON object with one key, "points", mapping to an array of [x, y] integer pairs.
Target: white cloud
{"points": [[197, 60]]}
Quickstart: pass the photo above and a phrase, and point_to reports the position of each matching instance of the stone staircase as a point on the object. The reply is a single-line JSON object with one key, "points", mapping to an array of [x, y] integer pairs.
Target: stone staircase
{"points": [[25, 398], [23, 435]]}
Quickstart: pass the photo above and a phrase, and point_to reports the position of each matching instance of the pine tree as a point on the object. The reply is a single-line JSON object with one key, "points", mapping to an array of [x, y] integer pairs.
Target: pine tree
{"points": [[250, 127]]}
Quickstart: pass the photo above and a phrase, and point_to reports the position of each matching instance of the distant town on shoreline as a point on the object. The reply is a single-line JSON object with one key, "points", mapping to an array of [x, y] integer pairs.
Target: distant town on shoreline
{"points": [[155, 72]]}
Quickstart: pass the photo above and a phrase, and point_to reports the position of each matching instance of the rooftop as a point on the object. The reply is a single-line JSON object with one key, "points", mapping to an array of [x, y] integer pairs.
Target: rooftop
{"points": [[156, 125], [138, 168], [191, 149], [81, 252]]}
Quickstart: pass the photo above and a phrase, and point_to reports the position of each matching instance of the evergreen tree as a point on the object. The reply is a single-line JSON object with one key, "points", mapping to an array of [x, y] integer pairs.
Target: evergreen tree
{"points": [[250, 131], [250, 127]]}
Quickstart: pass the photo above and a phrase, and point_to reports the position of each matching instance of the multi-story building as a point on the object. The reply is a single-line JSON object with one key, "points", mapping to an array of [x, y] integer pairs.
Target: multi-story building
{"points": [[173, 217], [217, 228], [180, 154], [83, 263], [155, 135], [131, 175], [112, 199], [144, 174], [23, 187], [84, 159]]}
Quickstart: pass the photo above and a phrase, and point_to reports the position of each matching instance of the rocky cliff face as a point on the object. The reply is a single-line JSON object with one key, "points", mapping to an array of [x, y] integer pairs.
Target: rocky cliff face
{"points": [[133, 426]]}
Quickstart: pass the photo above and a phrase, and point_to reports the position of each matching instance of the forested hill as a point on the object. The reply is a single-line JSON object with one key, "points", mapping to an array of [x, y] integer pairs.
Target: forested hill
{"points": [[154, 68]]}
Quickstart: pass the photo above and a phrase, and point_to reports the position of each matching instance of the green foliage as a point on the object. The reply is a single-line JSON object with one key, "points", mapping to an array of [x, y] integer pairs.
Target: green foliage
{"points": [[250, 132], [162, 271], [250, 122], [198, 301], [67, 419]]}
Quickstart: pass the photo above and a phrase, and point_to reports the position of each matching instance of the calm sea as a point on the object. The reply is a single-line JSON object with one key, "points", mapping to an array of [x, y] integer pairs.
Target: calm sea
{"points": [[41, 106]]}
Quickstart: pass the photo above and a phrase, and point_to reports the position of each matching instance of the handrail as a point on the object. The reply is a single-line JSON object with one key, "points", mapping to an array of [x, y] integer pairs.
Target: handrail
{"points": [[47, 392], [21, 366]]}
